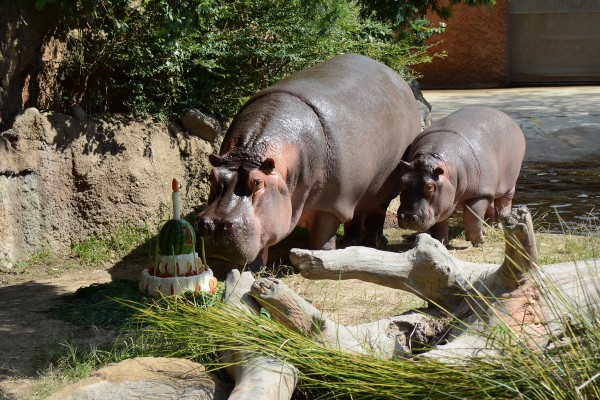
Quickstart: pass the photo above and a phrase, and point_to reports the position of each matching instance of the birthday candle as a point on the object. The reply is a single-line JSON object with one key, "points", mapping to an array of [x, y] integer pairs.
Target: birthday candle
{"points": [[176, 207]]}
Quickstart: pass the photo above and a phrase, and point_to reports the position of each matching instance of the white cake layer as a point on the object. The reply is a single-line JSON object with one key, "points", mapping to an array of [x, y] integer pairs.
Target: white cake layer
{"points": [[178, 265], [155, 285]]}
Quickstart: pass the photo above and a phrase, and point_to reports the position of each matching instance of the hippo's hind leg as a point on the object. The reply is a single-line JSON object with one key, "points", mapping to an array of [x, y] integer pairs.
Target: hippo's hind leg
{"points": [[503, 204], [322, 229], [491, 214], [500, 205], [473, 217]]}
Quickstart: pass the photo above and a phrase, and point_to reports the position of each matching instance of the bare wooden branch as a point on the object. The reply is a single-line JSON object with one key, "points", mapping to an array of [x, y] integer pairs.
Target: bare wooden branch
{"points": [[520, 252], [385, 338], [468, 301], [256, 377], [517, 294], [428, 270]]}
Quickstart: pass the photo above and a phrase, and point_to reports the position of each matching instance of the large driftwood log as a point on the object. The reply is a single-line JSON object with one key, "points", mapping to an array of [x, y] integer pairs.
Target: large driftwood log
{"points": [[467, 300], [256, 377]]}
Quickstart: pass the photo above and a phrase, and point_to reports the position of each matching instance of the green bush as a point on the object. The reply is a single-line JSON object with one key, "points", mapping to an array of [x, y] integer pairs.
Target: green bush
{"points": [[160, 57]]}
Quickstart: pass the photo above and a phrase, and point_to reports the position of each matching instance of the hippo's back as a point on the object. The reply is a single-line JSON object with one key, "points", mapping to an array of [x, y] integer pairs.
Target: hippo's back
{"points": [[491, 134], [487, 143], [369, 116]]}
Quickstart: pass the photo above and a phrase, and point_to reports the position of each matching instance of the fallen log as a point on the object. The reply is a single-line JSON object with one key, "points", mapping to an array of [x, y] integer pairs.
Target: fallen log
{"points": [[467, 300], [255, 376]]}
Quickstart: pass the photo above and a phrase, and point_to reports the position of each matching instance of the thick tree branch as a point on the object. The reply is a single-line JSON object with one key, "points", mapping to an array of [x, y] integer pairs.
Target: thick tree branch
{"points": [[256, 377], [468, 301]]}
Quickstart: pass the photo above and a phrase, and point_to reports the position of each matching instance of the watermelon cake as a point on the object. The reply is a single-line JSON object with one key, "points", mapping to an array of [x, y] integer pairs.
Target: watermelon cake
{"points": [[177, 267]]}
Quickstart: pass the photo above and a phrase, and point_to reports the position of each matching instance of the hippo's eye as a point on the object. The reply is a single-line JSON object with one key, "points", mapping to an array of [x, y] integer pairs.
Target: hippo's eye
{"points": [[429, 188], [258, 184]]}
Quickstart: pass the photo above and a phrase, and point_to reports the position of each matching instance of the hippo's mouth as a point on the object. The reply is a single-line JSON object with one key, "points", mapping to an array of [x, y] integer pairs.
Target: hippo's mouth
{"points": [[231, 250], [415, 222]]}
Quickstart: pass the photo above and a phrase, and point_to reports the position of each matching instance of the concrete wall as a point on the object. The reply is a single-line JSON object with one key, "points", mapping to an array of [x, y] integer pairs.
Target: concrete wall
{"points": [[476, 41]]}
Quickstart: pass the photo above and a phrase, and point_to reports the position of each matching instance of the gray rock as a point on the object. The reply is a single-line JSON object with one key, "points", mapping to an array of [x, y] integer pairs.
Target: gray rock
{"points": [[416, 89], [424, 106], [147, 378], [201, 125], [78, 112], [425, 115]]}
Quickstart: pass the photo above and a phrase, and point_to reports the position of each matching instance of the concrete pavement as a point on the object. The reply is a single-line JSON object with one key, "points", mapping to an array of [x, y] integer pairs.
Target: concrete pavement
{"points": [[560, 123]]}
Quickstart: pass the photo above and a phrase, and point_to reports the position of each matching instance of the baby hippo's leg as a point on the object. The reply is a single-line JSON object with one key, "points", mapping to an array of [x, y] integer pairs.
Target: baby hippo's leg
{"points": [[490, 213], [473, 215], [322, 230], [439, 231], [504, 204]]}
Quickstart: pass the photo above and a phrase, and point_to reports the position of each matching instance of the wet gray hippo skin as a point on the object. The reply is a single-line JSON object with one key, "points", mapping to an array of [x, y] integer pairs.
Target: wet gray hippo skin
{"points": [[319, 148], [470, 159]]}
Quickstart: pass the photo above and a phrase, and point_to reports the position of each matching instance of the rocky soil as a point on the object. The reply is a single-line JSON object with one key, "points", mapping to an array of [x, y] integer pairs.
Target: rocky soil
{"points": [[63, 179]]}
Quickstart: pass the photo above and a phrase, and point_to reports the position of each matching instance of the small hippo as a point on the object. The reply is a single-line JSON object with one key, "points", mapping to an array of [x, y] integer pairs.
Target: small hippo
{"points": [[470, 159], [319, 148]]}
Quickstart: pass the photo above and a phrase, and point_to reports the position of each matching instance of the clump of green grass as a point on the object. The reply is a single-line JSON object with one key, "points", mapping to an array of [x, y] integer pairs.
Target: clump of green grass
{"points": [[93, 250], [566, 372], [44, 259], [88, 305], [126, 238]]}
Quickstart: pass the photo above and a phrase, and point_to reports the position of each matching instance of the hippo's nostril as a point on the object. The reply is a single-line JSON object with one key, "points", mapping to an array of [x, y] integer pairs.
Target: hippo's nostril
{"points": [[227, 225], [407, 217]]}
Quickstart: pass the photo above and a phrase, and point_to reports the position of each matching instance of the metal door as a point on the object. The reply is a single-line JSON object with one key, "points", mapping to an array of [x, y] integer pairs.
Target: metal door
{"points": [[554, 41]]}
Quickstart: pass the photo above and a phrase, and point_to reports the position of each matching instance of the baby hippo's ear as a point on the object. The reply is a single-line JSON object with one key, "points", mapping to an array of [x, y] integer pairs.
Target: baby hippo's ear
{"points": [[404, 166], [215, 160], [267, 166]]}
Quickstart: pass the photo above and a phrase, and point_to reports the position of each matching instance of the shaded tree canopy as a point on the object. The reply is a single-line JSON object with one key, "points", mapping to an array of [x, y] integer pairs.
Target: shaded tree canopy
{"points": [[408, 18], [161, 57]]}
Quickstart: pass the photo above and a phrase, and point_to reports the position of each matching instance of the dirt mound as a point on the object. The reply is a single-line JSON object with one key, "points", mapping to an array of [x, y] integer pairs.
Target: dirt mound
{"points": [[63, 179]]}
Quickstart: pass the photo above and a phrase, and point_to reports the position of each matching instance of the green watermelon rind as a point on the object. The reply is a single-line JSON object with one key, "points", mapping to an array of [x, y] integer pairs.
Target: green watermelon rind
{"points": [[176, 237]]}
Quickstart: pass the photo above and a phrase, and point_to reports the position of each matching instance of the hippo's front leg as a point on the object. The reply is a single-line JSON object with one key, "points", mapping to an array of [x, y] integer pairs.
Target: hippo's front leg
{"points": [[260, 261], [439, 231], [473, 217], [322, 229]]}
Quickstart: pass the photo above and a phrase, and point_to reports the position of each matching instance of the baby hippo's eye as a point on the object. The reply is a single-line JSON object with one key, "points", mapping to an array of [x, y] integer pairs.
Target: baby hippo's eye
{"points": [[429, 188]]}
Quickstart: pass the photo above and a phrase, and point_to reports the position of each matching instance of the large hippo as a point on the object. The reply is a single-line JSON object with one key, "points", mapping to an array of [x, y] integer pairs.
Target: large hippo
{"points": [[319, 148], [470, 159]]}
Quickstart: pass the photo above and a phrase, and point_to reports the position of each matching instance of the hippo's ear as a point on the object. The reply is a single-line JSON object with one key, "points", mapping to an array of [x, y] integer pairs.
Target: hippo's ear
{"points": [[405, 166], [215, 160], [267, 166]]}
